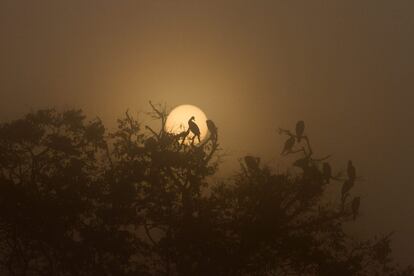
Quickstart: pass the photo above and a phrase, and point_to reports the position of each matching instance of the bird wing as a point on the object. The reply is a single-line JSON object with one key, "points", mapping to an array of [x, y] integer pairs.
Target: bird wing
{"points": [[211, 126], [289, 144], [347, 186], [351, 171], [194, 127]]}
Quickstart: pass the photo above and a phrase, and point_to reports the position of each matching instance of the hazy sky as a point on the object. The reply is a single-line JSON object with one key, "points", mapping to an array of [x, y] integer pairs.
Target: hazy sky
{"points": [[345, 67]]}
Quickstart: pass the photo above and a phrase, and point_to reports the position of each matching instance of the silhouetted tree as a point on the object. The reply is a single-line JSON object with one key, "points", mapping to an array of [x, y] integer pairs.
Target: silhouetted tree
{"points": [[77, 200]]}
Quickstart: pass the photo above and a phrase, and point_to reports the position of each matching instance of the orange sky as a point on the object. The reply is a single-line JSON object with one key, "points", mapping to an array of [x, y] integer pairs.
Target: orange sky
{"points": [[345, 67]]}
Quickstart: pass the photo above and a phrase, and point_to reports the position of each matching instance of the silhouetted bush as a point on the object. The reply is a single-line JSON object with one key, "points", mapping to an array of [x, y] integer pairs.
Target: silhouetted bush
{"points": [[77, 200]]}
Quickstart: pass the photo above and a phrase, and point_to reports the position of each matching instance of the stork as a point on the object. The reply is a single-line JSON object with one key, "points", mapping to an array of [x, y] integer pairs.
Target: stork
{"points": [[288, 145], [346, 187], [351, 171], [327, 171], [212, 129], [300, 128], [252, 163], [193, 127], [182, 135]]}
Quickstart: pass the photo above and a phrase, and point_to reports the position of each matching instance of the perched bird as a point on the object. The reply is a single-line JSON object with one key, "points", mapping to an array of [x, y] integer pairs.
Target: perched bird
{"points": [[182, 135], [193, 127], [351, 171], [302, 163], [347, 186], [355, 206], [288, 145], [326, 171], [252, 163], [212, 129], [300, 128]]}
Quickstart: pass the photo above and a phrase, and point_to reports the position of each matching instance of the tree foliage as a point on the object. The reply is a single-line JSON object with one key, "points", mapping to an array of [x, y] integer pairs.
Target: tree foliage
{"points": [[76, 199]]}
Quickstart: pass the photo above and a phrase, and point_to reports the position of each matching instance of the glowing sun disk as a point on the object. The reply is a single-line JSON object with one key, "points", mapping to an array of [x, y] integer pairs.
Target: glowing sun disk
{"points": [[177, 120]]}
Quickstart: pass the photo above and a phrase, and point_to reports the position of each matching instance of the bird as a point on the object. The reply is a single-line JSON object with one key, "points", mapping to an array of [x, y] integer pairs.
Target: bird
{"points": [[326, 171], [193, 127], [355, 206], [302, 163], [300, 128], [346, 187], [182, 135], [252, 163], [288, 145], [351, 171], [212, 128]]}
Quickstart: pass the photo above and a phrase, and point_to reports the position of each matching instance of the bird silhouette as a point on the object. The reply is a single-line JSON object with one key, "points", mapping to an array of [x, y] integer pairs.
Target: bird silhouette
{"points": [[302, 163], [326, 172], [288, 145], [182, 135], [212, 129], [300, 128], [351, 171], [356, 202], [252, 163], [347, 186], [193, 127]]}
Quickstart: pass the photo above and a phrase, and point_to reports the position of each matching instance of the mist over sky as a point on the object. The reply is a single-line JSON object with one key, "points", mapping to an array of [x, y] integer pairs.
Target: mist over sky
{"points": [[345, 67]]}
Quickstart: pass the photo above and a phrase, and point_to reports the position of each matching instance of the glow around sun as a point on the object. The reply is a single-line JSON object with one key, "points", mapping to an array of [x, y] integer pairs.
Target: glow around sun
{"points": [[177, 120]]}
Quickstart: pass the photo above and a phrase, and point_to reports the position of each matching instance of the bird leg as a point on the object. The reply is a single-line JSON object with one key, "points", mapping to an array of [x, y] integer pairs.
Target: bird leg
{"points": [[183, 136]]}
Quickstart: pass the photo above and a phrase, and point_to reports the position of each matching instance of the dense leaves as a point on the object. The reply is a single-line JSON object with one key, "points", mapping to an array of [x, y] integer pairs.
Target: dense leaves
{"points": [[76, 199]]}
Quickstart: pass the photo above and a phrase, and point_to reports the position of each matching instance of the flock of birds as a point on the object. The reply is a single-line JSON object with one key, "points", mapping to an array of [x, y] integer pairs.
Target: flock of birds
{"points": [[252, 162], [195, 130], [326, 168]]}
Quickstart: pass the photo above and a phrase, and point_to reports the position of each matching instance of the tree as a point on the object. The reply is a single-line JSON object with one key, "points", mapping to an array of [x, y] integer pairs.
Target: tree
{"points": [[77, 200], [53, 198]]}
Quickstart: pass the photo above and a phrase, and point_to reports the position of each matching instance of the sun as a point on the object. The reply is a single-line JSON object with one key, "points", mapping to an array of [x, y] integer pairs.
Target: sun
{"points": [[177, 120]]}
